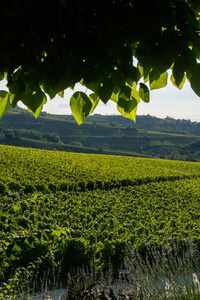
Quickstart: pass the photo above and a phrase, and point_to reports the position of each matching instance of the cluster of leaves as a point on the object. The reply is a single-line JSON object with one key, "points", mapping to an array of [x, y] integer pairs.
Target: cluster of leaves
{"points": [[51, 46]]}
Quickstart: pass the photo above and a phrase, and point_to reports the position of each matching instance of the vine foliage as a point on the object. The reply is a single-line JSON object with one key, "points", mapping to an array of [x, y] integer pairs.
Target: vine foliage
{"points": [[116, 49]]}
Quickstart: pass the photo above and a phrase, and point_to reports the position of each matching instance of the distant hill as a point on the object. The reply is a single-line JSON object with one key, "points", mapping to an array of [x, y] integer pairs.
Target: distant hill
{"points": [[111, 134], [150, 123]]}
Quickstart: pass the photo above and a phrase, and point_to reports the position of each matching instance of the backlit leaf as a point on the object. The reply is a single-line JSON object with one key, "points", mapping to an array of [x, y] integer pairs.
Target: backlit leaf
{"points": [[125, 93], [144, 92], [157, 82], [144, 71], [133, 75], [2, 75], [195, 79], [6, 99], [34, 101], [93, 86], [16, 207], [61, 94], [117, 78], [27, 242], [135, 93], [115, 94], [129, 108], [140, 69], [178, 71], [105, 90], [181, 83], [56, 233], [17, 248], [81, 106], [47, 88], [94, 100]]}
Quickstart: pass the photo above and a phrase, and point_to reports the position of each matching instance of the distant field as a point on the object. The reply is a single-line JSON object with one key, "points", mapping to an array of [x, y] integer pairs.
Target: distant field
{"points": [[71, 208]]}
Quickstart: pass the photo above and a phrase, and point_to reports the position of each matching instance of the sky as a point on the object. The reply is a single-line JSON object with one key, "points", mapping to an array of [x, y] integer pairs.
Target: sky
{"points": [[165, 102]]}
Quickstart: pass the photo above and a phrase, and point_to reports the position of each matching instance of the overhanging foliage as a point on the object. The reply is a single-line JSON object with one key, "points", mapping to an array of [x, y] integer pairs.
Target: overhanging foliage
{"points": [[111, 47]]}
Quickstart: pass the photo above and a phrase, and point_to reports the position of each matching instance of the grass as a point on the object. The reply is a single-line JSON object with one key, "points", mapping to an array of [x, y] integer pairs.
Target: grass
{"points": [[171, 272]]}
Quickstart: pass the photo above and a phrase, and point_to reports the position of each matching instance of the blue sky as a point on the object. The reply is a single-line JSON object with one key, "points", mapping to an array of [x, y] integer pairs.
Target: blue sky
{"points": [[169, 101]]}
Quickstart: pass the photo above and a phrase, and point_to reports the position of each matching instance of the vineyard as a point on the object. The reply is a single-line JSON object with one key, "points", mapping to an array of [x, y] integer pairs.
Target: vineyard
{"points": [[66, 209]]}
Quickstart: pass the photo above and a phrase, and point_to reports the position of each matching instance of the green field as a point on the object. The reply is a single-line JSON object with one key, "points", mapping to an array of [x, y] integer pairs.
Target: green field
{"points": [[68, 209]]}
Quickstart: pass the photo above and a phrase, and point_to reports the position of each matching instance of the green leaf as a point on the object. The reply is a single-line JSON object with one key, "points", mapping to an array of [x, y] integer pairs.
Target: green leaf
{"points": [[17, 248], [17, 97], [92, 86], [17, 84], [133, 74], [195, 79], [34, 100], [94, 98], [117, 78], [56, 233], [135, 93], [15, 207], [61, 94], [27, 242], [125, 93], [115, 94], [128, 109], [154, 74], [45, 235], [2, 75], [181, 84], [144, 92], [31, 241], [47, 88], [140, 69], [16, 87], [54, 86], [179, 67], [114, 97], [81, 106], [4, 214], [105, 90], [157, 80], [6, 100], [144, 71], [72, 86]]}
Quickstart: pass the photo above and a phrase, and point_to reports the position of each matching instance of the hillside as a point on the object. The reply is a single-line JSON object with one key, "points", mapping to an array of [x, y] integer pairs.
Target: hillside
{"points": [[148, 137]]}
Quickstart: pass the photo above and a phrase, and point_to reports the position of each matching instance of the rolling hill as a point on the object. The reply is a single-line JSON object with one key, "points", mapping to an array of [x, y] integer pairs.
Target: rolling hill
{"points": [[148, 137]]}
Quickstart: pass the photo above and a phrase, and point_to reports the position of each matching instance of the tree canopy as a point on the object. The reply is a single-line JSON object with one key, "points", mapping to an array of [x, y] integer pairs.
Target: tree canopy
{"points": [[117, 49]]}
